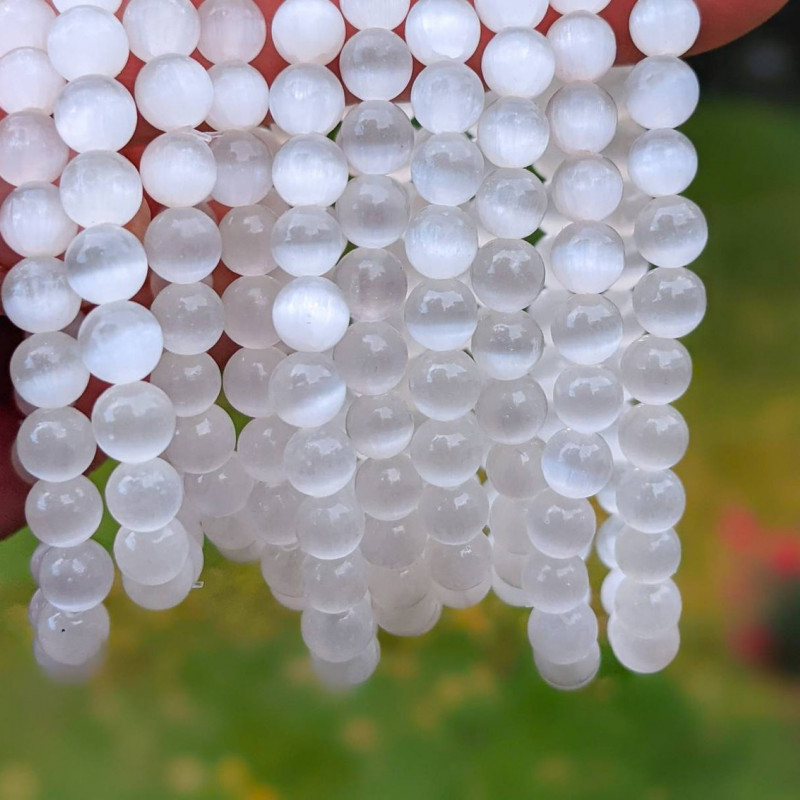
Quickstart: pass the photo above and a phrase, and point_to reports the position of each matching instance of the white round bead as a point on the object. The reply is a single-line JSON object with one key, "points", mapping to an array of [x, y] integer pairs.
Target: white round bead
{"points": [[33, 222], [511, 203], [648, 609], [662, 162], [664, 27], [388, 489], [108, 5], [444, 386], [309, 171], [583, 118], [310, 31], [337, 584], [241, 96], [447, 97], [576, 464], [438, 30], [447, 169], [380, 427], [587, 188], [306, 390], [245, 380], [510, 13], [661, 92], [441, 242], [244, 169], [178, 169], [656, 371], [376, 137], [648, 557], [669, 302], [506, 346], [306, 241], [231, 30], [24, 23], [507, 275], [511, 412], [373, 211], [75, 579], [152, 558], [191, 317], [587, 399], [653, 437], [260, 447], [454, 516], [144, 497], [28, 81], [447, 454], [339, 638], [373, 283], [246, 233], [513, 132], [306, 98], [158, 27], [570, 6], [518, 62], [371, 357], [563, 638], [64, 514], [558, 526], [68, 644], [248, 303], [555, 585], [587, 257], [220, 493], [584, 46], [643, 654], [376, 64], [441, 314], [319, 462], [192, 383], [651, 502], [671, 231], [30, 149], [203, 442], [55, 444], [587, 329], [363, 14], [516, 470]]}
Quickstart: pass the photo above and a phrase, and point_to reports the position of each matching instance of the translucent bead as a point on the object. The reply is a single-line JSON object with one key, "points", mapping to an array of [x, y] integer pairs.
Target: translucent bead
{"points": [[380, 427], [555, 585], [587, 188], [144, 497], [178, 169], [202, 443], [507, 275], [30, 148], [671, 231], [506, 346], [377, 138], [661, 92], [133, 422], [37, 297], [272, 508], [456, 515], [33, 222], [447, 453], [63, 514], [310, 31], [371, 357], [651, 502], [260, 447], [307, 241], [120, 342], [441, 242], [87, 40], [438, 30], [28, 80], [373, 283], [244, 169], [576, 464], [587, 398], [388, 489], [587, 329], [231, 30], [653, 437], [191, 317], [310, 171], [508, 526], [447, 97], [511, 203], [570, 6], [444, 386], [516, 470], [165, 595], [334, 585], [183, 245], [643, 654], [648, 557], [363, 14], [662, 162], [393, 545], [459, 567], [338, 637], [319, 462], [246, 378], [241, 97], [656, 371], [72, 639], [47, 370], [306, 98], [563, 638], [660, 28], [310, 314], [245, 234], [510, 13], [583, 118], [513, 132], [158, 27], [248, 305], [511, 412], [306, 390], [399, 588], [587, 257], [55, 444], [373, 211], [647, 609], [569, 677], [282, 568], [221, 492], [192, 383], [24, 24], [413, 619], [669, 302], [441, 314], [154, 557], [584, 46], [375, 65], [447, 169], [518, 62]]}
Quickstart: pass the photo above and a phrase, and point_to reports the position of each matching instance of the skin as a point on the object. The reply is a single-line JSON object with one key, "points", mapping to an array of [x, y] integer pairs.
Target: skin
{"points": [[723, 22]]}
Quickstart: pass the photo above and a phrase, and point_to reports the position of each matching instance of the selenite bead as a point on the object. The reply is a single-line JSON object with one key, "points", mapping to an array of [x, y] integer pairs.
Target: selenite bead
{"points": [[310, 314], [511, 203], [516, 470], [513, 132], [154, 557], [221, 492], [28, 80], [183, 245], [310, 31], [260, 446], [454, 515], [447, 97], [30, 148], [178, 169], [282, 569], [664, 27], [381, 426], [555, 585], [338, 637], [563, 638], [245, 380], [144, 497], [69, 639], [33, 222], [55, 444], [441, 314], [441, 242], [373, 211], [587, 257], [191, 317], [510, 13], [245, 232], [192, 383], [231, 30], [444, 386], [306, 98], [371, 357], [310, 170], [651, 502], [511, 412], [363, 14], [120, 342], [643, 654], [647, 609], [584, 46], [605, 542], [133, 422], [272, 508], [583, 118], [587, 329], [63, 514], [410, 620], [447, 169], [393, 544], [507, 275], [158, 27], [447, 453], [240, 99], [47, 370], [306, 241], [671, 231], [105, 263], [518, 62], [375, 64], [306, 390], [648, 557], [400, 588], [661, 92], [100, 186], [244, 169], [334, 585], [24, 24], [653, 437], [576, 464], [508, 526], [506, 346], [460, 567], [587, 188], [389, 488], [248, 305], [376, 137], [95, 112], [373, 283], [669, 302], [173, 91], [36, 561], [439, 30], [587, 398], [37, 297], [319, 462], [662, 162], [570, 6], [569, 677], [656, 371]]}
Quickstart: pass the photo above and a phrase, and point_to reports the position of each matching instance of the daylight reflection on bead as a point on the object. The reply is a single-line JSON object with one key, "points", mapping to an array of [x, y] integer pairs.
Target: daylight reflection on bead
{"points": [[338, 637], [648, 557], [375, 64], [513, 132], [72, 639], [555, 585], [444, 386], [518, 62], [656, 371], [447, 169], [245, 380], [192, 383], [157, 27], [310, 171], [244, 169], [583, 117], [373, 283], [587, 257], [584, 46], [587, 329], [231, 30], [388, 489], [24, 24], [671, 231], [241, 96], [260, 447], [454, 516], [319, 462], [587, 398], [154, 557], [248, 303], [438, 30], [506, 346], [221, 492], [460, 567], [144, 497], [447, 453], [373, 211], [306, 241], [576, 464], [651, 502], [371, 357], [511, 203], [30, 148], [63, 514], [245, 234], [516, 470], [587, 188], [306, 390], [309, 31], [393, 545], [661, 92], [381, 426], [441, 314], [507, 275], [28, 81], [563, 638], [647, 609], [662, 162], [306, 98], [669, 302], [191, 317], [334, 585], [660, 28], [202, 443], [441, 242], [447, 97], [653, 437], [511, 412]]}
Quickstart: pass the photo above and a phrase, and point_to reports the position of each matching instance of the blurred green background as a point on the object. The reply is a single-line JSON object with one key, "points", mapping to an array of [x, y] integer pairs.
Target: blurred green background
{"points": [[216, 698]]}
